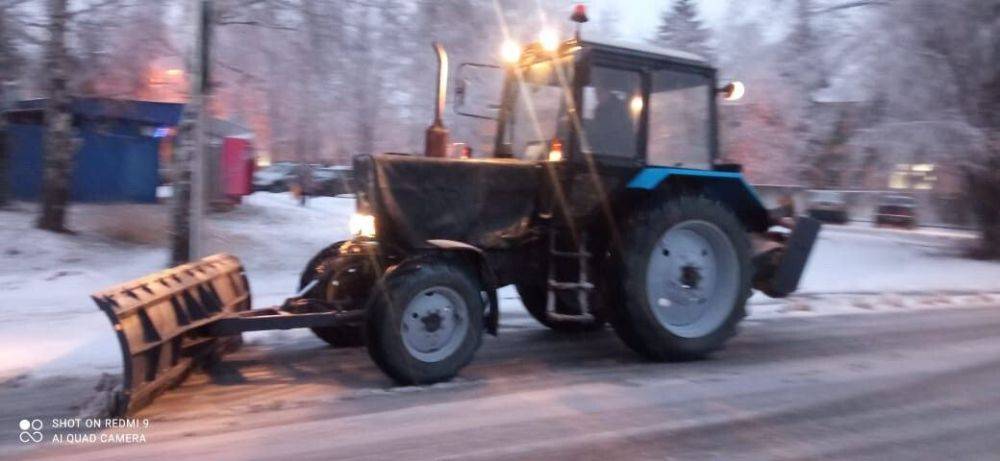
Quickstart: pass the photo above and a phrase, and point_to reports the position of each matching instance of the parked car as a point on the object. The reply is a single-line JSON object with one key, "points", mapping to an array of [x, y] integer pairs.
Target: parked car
{"points": [[333, 180], [828, 206], [275, 177], [897, 210]]}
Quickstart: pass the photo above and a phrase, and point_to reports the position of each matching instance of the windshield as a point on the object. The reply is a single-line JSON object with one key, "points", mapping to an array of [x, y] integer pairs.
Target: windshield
{"points": [[680, 119], [612, 104], [539, 111]]}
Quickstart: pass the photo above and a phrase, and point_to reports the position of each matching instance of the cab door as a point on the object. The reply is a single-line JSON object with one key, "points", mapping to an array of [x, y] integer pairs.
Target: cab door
{"points": [[680, 117], [609, 138]]}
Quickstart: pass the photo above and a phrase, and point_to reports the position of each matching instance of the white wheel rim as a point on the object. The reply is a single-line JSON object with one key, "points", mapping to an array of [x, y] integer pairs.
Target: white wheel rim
{"points": [[692, 278], [434, 324]]}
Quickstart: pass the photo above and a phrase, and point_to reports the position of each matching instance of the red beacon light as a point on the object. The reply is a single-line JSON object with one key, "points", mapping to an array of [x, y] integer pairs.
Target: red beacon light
{"points": [[579, 17], [579, 13]]}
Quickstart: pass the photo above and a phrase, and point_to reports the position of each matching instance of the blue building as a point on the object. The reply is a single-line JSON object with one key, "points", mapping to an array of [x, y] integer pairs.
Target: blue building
{"points": [[118, 159]]}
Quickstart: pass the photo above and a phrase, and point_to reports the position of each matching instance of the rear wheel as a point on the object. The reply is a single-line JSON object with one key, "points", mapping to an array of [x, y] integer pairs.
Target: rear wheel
{"points": [[685, 279], [426, 322]]}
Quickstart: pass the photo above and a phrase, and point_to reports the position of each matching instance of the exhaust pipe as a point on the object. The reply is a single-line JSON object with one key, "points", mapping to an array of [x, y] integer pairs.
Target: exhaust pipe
{"points": [[436, 144]]}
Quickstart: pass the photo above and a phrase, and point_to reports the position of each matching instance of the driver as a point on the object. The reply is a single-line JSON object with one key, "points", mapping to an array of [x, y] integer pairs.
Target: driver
{"points": [[611, 130]]}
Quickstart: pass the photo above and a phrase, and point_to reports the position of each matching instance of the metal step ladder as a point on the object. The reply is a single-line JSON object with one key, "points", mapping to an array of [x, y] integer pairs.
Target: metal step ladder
{"points": [[582, 286]]}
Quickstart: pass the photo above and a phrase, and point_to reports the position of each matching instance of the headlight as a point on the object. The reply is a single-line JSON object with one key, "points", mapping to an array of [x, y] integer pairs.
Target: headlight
{"points": [[510, 52], [362, 225]]}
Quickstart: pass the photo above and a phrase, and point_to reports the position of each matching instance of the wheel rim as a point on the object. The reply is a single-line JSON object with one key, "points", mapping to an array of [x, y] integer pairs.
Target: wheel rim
{"points": [[434, 324], [692, 278]]}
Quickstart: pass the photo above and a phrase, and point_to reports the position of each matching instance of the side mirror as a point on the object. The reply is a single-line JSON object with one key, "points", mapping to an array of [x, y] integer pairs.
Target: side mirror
{"points": [[460, 84], [733, 91]]}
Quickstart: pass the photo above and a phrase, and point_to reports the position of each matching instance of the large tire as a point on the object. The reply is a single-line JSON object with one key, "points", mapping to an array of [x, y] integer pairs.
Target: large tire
{"points": [[534, 298], [425, 321], [339, 336], [685, 277]]}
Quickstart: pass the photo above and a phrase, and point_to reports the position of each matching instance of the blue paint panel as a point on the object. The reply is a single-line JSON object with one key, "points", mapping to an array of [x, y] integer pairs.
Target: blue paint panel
{"points": [[112, 165], [651, 177], [147, 112], [25, 162], [724, 186]]}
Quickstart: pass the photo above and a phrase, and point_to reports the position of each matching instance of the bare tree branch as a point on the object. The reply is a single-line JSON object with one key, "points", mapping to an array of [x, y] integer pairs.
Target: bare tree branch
{"points": [[97, 6], [250, 22], [853, 4]]}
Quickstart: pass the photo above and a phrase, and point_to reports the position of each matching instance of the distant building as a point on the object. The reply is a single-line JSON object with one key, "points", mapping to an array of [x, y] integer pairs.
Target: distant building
{"points": [[125, 152], [914, 156]]}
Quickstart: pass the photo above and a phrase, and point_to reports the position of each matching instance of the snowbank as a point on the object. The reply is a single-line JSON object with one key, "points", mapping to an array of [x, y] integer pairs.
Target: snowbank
{"points": [[48, 324]]}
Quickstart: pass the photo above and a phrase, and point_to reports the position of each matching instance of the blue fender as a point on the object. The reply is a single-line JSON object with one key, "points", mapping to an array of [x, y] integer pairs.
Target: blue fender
{"points": [[727, 187]]}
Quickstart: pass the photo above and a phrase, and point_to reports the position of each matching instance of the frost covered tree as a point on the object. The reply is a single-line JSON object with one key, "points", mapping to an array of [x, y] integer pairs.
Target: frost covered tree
{"points": [[758, 131], [60, 142], [10, 61], [680, 28], [802, 67], [607, 22], [951, 73]]}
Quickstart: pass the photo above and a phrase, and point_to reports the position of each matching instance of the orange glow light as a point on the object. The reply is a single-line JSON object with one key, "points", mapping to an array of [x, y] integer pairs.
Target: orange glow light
{"points": [[555, 151]]}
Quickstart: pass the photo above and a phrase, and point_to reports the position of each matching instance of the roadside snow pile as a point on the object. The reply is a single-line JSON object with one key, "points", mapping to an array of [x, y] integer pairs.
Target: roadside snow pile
{"points": [[807, 305], [50, 327], [47, 320], [856, 269], [274, 237], [858, 260]]}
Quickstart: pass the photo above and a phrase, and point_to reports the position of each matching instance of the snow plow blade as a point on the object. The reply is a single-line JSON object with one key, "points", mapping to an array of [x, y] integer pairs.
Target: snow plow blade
{"points": [[797, 250], [159, 320]]}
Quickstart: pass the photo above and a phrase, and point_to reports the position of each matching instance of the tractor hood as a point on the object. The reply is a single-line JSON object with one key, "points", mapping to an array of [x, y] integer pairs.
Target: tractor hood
{"points": [[487, 203]]}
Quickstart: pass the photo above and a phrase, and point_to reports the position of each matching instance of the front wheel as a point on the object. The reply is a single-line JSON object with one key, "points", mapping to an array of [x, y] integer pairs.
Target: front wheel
{"points": [[323, 268], [425, 322], [685, 278]]}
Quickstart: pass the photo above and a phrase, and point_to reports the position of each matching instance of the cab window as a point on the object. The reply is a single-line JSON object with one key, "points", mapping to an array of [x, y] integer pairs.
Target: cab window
{"points": [[612, 104], [539, 112], [679, 117]]}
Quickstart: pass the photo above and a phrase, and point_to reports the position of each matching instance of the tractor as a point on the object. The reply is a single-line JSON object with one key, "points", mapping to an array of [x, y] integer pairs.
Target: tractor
{"points": [[603, 203]]}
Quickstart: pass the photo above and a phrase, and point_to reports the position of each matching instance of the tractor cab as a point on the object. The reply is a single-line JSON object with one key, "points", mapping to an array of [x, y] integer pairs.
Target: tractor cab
{"points": [[612, 120], [609, 103]]}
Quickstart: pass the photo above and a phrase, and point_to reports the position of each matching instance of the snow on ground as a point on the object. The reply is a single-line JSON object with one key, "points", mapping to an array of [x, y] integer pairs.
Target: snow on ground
{"points": [[51, 330], [48, 324]]}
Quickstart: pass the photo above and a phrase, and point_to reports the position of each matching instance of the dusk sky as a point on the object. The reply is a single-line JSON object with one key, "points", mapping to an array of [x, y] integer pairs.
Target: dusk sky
{"points": [[638, 19]]}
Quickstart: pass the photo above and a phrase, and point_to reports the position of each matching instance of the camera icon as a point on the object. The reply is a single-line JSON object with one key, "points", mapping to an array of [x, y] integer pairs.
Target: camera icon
{"points": [[31, 430]]}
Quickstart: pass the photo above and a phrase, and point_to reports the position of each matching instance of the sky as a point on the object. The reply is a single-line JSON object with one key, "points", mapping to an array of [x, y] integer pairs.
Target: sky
{"points": [[638, 18]]}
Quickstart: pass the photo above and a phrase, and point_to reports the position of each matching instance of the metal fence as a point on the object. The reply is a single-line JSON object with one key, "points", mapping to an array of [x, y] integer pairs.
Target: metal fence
{"points": [[933, 209]]}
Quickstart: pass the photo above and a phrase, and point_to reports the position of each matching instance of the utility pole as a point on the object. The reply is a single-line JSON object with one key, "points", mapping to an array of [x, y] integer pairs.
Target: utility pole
{"points": [[191, 157], [4, 163], [200, 173]]}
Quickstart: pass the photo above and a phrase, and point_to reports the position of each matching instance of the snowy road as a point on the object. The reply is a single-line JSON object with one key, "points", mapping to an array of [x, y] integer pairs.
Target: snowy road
{"points": [[920, 385]]}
